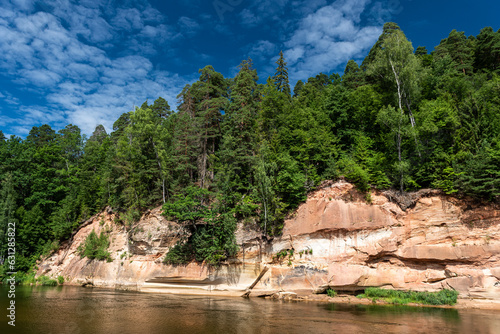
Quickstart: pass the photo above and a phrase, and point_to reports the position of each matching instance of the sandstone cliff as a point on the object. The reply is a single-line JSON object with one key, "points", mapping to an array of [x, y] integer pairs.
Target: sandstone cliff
{"points": [[336, 239]]}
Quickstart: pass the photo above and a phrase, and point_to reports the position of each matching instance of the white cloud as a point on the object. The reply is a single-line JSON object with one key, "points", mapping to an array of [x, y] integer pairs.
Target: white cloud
{"points": [[281, 13], [188, 26], [128, 19], [262, 50], [8, 98], [316, 35], [329, 37], [68, 58], [248, 18]]}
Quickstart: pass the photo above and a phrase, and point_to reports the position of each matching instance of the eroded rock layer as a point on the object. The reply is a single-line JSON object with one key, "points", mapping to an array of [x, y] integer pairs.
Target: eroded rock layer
{"points": [[335, 239]]}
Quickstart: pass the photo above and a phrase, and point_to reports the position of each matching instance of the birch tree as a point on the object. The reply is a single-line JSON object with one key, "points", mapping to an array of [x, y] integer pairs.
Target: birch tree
{"points": [[397, 67]]}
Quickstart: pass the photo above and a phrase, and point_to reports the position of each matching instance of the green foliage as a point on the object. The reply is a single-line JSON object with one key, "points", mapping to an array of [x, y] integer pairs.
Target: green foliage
{"points": [[443, 297], [480, 174], [95, 247], [281, 76], [447, 181], [131, 216], [60, 280], [212, 239], [189, 207], [181, 253], [50, 247], [215, 241], [331, 293], [236, 150], [354, 173], [46, 281]]}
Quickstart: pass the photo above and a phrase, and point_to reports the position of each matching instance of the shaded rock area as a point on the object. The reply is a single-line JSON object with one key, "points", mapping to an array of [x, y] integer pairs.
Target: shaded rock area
{"points": [[423, 241]]}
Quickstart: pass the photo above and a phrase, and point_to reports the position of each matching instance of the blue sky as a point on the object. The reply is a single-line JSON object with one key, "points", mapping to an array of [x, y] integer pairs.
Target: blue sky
{"points": [[86, 62]]}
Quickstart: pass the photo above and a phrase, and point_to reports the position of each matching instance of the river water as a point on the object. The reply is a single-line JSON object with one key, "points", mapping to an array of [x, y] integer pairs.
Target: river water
{"points": [[44, 310]]}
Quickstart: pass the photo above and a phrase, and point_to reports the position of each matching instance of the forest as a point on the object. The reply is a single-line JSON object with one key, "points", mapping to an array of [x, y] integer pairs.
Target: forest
{"points": [[239, 151]]}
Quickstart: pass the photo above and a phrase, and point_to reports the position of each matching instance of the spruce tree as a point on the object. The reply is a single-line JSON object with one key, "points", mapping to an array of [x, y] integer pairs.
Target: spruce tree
{"points": [[238, 145], [353, 77], [298, 88], [487, 53], [281, 76]]}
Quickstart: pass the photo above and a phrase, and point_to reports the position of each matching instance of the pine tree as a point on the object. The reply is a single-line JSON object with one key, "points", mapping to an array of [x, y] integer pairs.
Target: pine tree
{"points": [[161, 108], [422, 53], [185, 141], [210, 94], [100, 133]]}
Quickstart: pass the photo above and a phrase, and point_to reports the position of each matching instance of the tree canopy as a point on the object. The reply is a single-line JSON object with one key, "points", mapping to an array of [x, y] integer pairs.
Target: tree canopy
{"points": [[236, 150]]}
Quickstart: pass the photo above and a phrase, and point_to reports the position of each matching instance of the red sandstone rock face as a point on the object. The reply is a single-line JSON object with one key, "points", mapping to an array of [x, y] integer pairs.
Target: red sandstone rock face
{"points": [[439, 242]]}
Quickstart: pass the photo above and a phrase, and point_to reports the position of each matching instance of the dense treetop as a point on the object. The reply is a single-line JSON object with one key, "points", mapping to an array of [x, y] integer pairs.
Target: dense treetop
{"points": [[236, 150]]}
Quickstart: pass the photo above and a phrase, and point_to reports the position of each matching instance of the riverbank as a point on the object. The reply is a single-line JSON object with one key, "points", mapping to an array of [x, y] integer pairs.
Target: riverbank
{"points": [[335, 240], [299, 296]]}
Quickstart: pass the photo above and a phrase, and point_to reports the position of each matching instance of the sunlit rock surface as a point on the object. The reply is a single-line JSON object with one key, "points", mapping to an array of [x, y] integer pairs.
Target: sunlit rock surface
{"points": [[335, 239]]}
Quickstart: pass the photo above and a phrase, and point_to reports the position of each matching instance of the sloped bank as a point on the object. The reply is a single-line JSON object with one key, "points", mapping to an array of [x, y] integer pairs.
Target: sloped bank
{"points": [[335, 239]]}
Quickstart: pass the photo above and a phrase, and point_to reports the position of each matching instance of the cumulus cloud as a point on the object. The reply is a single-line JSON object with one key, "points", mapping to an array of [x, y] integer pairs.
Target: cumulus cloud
{"points": [[64, 56], [317, 36], [329, 37]]}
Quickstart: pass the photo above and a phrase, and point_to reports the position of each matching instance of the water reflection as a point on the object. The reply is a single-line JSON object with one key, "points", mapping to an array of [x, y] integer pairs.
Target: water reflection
{"points": [[79, 310]]}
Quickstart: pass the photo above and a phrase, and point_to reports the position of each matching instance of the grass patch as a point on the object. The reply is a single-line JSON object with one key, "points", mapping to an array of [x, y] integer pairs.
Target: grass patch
{"points": [[443, 297], [46, 281]]}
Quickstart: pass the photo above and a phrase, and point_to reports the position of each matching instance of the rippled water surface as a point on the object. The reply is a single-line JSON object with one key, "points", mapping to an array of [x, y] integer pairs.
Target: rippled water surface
{"points": [[81, 310]]}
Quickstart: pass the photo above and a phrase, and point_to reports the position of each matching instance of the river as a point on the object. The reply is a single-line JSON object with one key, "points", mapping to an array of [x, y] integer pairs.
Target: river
{"points": [[44, 310]]}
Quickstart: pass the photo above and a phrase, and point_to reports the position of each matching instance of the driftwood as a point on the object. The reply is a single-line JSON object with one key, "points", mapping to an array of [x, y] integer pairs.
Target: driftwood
{"points": [[249, 289]]}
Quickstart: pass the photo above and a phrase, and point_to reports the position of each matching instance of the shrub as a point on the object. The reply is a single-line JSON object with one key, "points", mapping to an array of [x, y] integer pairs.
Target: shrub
{"points": [[181, 253], [95, 247], [212, 243], [60, 280], [331, 293]]}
